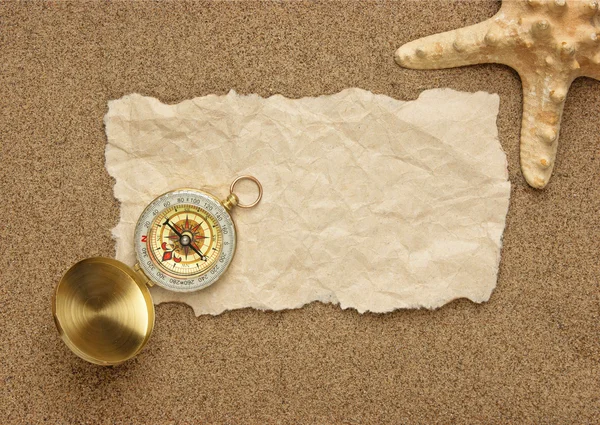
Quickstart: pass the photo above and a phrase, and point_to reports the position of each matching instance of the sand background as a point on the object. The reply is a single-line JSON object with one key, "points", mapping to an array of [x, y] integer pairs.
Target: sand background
{"points": [[530, 355]]}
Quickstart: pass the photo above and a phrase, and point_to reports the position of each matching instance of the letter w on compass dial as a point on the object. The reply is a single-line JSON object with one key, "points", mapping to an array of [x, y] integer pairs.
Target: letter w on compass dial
{"points": [[185, 241]]}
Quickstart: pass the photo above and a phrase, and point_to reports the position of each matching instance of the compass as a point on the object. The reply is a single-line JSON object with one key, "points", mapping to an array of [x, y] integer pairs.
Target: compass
{"points": [[184, 241]]}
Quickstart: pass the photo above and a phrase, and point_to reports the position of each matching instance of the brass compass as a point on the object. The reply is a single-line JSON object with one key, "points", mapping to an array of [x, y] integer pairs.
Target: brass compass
{"points": [[184, 241]]}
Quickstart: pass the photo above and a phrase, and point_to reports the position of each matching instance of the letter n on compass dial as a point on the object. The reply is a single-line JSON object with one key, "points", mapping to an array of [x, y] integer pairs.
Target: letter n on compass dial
{"points": [[185, 241]]}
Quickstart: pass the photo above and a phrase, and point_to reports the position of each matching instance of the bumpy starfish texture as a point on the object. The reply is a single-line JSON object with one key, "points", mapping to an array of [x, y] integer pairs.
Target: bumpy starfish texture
{"points": [[548, 42]]}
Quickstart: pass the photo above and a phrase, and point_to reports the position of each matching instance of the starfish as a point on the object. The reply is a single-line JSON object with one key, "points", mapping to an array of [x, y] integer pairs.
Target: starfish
{"points": [[549, 43]]}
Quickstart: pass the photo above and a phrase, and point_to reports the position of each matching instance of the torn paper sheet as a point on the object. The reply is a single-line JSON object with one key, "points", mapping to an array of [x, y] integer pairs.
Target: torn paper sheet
{"points": [[369, 202]]}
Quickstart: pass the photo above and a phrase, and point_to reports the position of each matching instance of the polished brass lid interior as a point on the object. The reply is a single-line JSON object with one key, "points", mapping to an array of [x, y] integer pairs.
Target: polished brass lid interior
{"points": [[103, 311]]}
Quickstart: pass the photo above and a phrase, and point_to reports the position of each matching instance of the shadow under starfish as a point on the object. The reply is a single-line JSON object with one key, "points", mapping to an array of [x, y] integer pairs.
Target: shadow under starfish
{"points": [[549, 43]]}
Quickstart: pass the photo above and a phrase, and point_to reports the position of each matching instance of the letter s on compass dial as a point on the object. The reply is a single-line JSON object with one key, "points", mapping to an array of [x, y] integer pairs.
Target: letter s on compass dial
{"points": [[185, 240]]}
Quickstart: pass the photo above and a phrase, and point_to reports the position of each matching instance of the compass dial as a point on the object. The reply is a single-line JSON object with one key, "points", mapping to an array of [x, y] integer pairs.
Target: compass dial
{"points": [[185, 240]]}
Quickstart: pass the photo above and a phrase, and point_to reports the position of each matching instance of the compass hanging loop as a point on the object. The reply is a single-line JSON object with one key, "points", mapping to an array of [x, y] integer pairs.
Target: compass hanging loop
{"points": [[233, 200]]}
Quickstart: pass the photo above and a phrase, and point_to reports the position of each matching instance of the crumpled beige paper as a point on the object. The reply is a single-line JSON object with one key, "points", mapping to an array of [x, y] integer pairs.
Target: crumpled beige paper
{"points": [[369, 202]]}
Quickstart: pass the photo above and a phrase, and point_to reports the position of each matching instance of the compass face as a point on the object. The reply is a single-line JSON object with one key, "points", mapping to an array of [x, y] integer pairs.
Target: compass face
{"points": [[184, 240]]}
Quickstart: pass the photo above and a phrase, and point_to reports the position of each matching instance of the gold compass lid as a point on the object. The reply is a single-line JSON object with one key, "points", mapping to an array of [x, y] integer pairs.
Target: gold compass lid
{"points": [[103, 311]]}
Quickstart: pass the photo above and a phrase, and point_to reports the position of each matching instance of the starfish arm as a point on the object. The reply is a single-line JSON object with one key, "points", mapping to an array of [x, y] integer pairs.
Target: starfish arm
{"points": [[476, 44], [593, 72], [543, 101]]}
